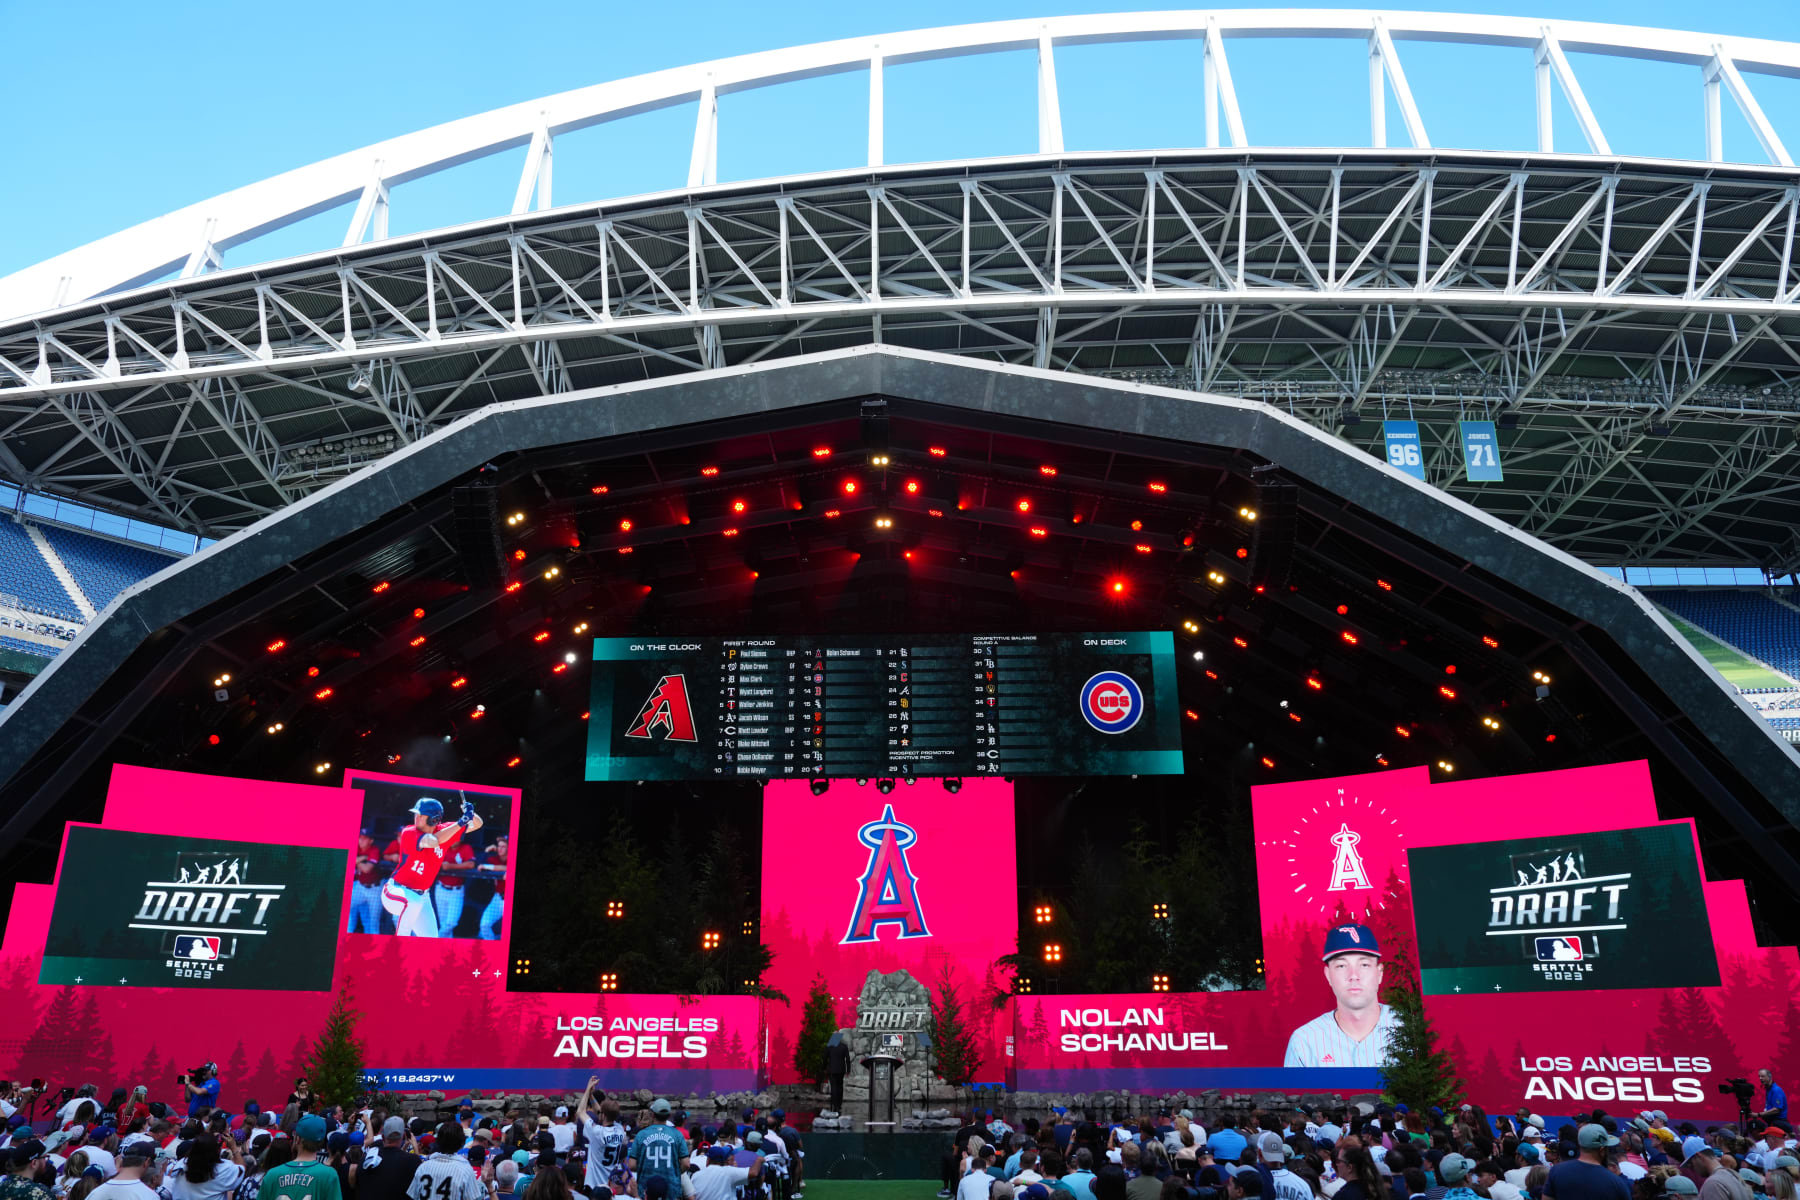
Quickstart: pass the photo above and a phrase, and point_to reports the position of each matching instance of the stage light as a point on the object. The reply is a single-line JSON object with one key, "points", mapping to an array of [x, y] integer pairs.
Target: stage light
{"points": [[417, 641], [276, 646], [515, 518], [709, 940], [609, 982], [1190, 625], [312, 672], [1142, 549], [1137, 526], [1212, 674], [820, 786], [212, 739], [1403, 731], [1540, 677], [749, 930], [584, 716], [1118, 587], [709, 472], [1450, 669], [581, 628], [879, 460], [615, 909], [907, 555], [1490, 643], [1043, 914], [380, 587], [850, 487], [625, 525], [1294, 717], [884, 786], [1382, 759], [1199, 656], [1159, 983], [1448, 768], [1192, 715], [1315, 683], [1240, 643], [521, 966], [1159, 488], [938, 451], [553, 572], [1350, 639], [323, 693], [1022, 986], [518, 556], [936, 512], [1249, 514], [1047, 469], [569, 658], [221, 681], [1215, 577], [1448, 693], [513, 761], [1159, 911], [1549, 737], [514, 586], [625, 549], [738, 506], [912, 487], [559, 668], [1039, 531], [1024, 506], [459, 681], [599, 489], [953, 785], [321, 768], [1268, 762], [821, 451], [478, 712], [730, 532], [1343, 610], [1053, 952], [884, 522], [277, 727], [1243, 552], [833, 512], [1384, 585], [1490, 723]]}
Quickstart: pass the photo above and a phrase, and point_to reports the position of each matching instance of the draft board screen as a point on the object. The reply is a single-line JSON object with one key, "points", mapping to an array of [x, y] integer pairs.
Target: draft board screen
{"points": [[866, 706]]}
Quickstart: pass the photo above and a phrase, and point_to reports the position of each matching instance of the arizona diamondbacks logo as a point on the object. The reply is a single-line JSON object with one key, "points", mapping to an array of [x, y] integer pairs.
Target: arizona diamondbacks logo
{"points": [[667, 709], [887, 893]]}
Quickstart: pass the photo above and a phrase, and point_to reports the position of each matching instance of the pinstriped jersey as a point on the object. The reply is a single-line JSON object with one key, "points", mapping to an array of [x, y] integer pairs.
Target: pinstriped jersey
{"points": [[1320, 1043]]}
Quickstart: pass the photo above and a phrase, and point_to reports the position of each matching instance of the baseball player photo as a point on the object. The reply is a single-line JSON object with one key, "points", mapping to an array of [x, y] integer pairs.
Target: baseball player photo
{"points": [[430, 845], [1355, 1033]]}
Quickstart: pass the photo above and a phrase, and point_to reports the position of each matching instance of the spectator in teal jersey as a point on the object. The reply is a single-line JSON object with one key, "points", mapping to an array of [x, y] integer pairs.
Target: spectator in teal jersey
{"points": [[659, 1150]]}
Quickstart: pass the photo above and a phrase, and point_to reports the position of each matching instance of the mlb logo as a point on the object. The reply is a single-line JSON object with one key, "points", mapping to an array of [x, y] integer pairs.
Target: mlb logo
{"points": [[198, 948], [1559, 949]]}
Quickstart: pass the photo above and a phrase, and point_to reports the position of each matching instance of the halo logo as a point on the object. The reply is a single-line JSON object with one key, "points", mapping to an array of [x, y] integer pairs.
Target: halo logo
{"points": [[667, 709], [1112, 702], [888, 892], [1347, 865]]}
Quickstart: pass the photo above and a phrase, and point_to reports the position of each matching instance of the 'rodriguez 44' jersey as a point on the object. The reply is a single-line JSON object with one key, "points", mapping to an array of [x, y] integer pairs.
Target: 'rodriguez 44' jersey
{"points": [[420, 868]]}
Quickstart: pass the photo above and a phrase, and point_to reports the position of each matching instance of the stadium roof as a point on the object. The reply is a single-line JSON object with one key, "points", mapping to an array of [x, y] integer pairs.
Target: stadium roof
{"points": [[1629, 322], [357, 628]]}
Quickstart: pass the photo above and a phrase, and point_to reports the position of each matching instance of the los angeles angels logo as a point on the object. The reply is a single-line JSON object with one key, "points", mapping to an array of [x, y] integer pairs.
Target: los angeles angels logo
{"points": [[887, 893], [666, 709]]}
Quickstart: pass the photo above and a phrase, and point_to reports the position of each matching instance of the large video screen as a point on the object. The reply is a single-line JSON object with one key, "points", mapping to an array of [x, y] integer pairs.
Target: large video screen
{"points": [[868, 706], [147, 910], [1577, 911]]}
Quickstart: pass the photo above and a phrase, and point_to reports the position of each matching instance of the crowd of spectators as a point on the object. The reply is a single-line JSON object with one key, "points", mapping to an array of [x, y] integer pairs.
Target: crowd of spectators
{"points": [[133, 1148], [1390, 1154]]}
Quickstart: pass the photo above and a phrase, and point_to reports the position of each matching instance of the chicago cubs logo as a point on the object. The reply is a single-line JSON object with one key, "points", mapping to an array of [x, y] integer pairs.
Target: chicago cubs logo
{"points": [[887, 893], [666, 709], [1112, 702]]}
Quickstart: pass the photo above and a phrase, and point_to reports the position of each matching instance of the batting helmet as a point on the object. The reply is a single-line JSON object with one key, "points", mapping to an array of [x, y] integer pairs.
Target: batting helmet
{"points": [[429, 807]]}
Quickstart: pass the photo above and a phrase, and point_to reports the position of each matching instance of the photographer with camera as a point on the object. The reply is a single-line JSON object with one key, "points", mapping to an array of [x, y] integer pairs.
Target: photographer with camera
{"points": [[202, 1088], [15, 1096]]}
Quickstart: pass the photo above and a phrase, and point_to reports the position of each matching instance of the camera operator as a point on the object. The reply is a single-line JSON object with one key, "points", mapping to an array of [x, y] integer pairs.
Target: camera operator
{"points": [[13, 1096], [202, 1088], [1774, 1099], [65, 1116]]}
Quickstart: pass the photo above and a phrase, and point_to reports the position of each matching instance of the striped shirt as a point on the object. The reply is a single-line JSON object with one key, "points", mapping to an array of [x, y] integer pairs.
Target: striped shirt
{"points": [[1320, 1043]]}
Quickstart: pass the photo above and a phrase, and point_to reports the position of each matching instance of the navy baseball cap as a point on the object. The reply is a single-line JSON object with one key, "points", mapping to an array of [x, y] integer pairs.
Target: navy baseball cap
{"points": [[1350, 939], [719, 1150]]}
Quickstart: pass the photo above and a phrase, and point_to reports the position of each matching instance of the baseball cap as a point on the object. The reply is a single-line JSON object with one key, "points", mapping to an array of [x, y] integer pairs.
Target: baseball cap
{"points": [[752, 1139], [1595, 1137], [654, 1187], [310, 1129], [1035, 1191], [1660, 1115], [779, 1115], [1350, 939], [27, 1152], [1787, 1162], [1528, 1153], [1750, 1176], [1694, 1145], [719, 1151], [136, 1152], [1680, 1185], [393, 1127], [338, 1141], [562, 1110], [1454, 1168], [544, 1122], [1271, 1147], [660, 1107], [522, 1157]]}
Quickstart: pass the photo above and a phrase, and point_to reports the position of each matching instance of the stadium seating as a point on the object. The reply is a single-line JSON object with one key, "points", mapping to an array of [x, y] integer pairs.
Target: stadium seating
{"points": [[29, 647], [1747, 619], [103, 568], [25, 574]]}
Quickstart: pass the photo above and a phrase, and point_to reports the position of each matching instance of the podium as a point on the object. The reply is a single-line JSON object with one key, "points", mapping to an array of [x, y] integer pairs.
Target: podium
{"points": [[883, 1071]]}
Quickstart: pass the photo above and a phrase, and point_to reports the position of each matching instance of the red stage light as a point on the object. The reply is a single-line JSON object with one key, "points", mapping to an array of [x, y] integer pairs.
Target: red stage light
{"points": [[512, 762], [380, 587], [1490, 643], [1268, 762], [514, 586], [1450, 669], [1118, 587], [1075, 519], [1240, 643], [1313, 682], [1142, 549], [1294, 717], [909, 556], [475, 714], [1024, 506], [1192, 715], [625, 525], [1349, 638], [459, 681], [938, 452], [518, 556], [1243, 552], [912, 487], [276, 646], [731, 533], [599, 489], [1136, 526], [936, 512], [1159, 487], [849, 487], [1343, 610], [821, 451], [1384, 585], [738, 506], [1549, 737], [322, 694], [584, 716], [559, 668], [625, 549], [213, 740], [312, 672], [418, 641], [1212, 674], [1259, 589], [709, 472], [1046, 470], [418, 613], [542, 635], [1403, 731], [1039, 531], [1447, 693]]}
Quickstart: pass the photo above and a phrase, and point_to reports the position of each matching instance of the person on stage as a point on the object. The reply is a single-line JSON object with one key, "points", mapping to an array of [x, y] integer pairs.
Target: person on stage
{"points": [[1355, 1033]]}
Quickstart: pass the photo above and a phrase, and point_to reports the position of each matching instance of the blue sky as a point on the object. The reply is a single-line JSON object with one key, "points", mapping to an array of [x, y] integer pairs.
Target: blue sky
{"points": [[120, 112]]}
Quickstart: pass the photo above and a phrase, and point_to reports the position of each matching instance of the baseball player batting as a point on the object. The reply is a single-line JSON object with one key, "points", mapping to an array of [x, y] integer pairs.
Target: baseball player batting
{"points": [[406, 895]]}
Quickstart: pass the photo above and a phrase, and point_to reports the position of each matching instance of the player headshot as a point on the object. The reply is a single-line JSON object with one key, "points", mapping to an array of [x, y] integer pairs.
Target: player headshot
{"points": [[1354, 1033], [407, 894]]}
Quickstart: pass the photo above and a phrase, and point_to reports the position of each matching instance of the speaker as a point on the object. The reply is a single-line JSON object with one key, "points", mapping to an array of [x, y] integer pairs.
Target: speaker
{"points": [[1277, 521], [475, 517]]}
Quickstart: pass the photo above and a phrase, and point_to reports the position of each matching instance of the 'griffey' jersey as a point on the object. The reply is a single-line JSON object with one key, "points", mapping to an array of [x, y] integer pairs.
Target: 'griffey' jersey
{"points": [[446, 1177], [420, 868]]}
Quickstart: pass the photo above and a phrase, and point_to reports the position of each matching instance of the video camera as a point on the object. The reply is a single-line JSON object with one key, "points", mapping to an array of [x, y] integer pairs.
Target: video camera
{"points": [[1740, 1087]]}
